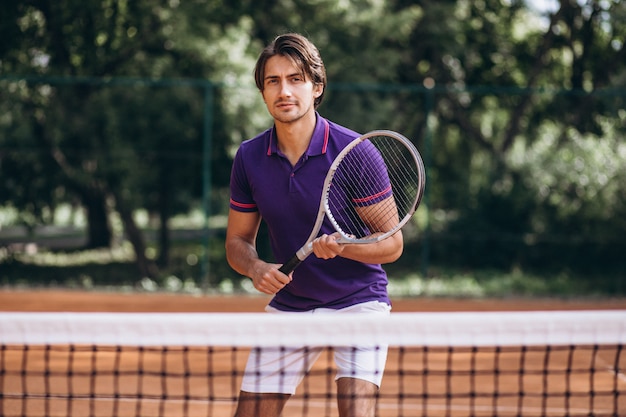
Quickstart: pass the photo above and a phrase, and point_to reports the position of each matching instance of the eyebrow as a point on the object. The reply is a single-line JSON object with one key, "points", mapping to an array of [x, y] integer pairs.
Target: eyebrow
{"points": [[295, 74]]}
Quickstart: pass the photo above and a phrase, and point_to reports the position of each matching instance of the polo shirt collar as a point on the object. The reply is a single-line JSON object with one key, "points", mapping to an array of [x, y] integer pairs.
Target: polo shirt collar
{"points": [[319, 140]]}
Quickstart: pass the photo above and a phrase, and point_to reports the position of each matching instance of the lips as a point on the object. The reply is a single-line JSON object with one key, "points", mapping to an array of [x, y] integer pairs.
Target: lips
{"points": [[285, 105]]}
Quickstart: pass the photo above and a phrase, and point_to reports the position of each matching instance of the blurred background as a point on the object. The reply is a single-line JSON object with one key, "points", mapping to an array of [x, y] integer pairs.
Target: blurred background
{"points": [[119, 121]]}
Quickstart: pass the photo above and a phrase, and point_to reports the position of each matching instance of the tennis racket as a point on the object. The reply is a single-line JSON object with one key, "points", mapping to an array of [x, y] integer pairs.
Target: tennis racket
{"points": [[371, 191]]}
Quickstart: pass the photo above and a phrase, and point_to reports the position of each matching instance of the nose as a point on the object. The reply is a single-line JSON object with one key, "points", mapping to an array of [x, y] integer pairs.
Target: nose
{"points": [[285, 91]]}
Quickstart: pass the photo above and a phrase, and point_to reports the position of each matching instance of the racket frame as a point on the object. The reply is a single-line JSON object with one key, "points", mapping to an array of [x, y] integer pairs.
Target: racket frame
{"points": [[325, 212]]}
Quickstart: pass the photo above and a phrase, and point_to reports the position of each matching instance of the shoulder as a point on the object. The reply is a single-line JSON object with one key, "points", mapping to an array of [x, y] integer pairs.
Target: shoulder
{"points": [[255, 147], [341, 132], [339, 137], [260, 141]]}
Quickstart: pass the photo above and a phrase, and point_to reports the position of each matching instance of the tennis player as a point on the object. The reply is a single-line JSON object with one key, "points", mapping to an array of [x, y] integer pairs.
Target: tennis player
{"points": [[278, 177]]}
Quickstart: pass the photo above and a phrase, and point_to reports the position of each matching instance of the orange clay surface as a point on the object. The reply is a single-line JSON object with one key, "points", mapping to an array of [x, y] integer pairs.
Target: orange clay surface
{"points": [[216, 395]]}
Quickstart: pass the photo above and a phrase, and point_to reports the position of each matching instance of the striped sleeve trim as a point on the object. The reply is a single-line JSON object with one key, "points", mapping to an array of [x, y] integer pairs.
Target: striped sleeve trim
{"points": [[377, 196], [242, 206]]}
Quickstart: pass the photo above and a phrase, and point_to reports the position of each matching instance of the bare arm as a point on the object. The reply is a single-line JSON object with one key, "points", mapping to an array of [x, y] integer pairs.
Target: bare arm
{"points": [[243, 257], [380, 217], [385, 251]]}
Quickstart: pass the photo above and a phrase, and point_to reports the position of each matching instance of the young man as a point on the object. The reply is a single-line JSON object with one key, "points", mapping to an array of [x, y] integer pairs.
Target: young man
{"points": [[278, 177]]}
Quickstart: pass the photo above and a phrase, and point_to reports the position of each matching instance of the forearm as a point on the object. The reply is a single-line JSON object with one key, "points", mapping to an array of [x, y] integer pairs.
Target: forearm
{"points": [[242, 256], [382, 252]]}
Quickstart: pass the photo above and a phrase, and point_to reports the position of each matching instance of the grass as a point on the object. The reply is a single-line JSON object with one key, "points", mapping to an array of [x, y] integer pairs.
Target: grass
{"points": [[114, 270], [493, 283], [194, 268]]}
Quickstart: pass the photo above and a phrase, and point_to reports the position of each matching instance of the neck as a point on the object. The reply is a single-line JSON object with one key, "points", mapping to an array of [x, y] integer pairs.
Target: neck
{"points": [[294, 137]]}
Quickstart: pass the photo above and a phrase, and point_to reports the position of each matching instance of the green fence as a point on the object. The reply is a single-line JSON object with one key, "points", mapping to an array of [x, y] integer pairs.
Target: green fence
{"points": [[528, 179]]}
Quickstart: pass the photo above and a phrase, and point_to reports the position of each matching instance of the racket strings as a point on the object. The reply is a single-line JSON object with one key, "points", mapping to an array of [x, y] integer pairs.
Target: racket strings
{"points": [[374, 187], [403, 175]]}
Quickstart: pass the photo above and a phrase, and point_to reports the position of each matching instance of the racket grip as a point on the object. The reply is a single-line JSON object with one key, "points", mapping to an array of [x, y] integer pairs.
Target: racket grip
{"points": [[290, 265]]}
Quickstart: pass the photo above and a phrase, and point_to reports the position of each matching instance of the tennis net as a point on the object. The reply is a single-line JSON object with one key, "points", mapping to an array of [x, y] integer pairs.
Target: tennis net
{"points": [[553, 363]]}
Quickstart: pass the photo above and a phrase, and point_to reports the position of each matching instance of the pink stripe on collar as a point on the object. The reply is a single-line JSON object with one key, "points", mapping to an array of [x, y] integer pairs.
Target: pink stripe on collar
{"points": [[326, 134]]}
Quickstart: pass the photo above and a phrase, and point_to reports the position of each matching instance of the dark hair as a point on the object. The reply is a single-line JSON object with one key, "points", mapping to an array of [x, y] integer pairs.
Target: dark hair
{"points": [[302, 52]]}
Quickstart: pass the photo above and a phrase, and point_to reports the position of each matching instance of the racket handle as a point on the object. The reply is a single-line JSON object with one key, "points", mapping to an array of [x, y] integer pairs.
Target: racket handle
{"points": [[290, 265]]}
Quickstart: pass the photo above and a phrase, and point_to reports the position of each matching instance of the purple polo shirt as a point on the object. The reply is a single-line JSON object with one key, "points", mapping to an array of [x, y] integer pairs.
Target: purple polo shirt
{"points": [[287, 197]]}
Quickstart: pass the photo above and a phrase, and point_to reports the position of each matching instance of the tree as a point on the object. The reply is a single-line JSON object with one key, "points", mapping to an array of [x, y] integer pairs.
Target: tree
{"points": [[506, 81], [81, 148], [106, 104]]}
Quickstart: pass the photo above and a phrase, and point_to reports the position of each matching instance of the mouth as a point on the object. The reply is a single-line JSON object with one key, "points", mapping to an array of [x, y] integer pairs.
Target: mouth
{"points": [[285, 105]]}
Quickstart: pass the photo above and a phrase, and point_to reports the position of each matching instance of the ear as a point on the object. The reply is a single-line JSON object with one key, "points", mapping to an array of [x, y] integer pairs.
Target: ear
{"points": [[318, 89]]}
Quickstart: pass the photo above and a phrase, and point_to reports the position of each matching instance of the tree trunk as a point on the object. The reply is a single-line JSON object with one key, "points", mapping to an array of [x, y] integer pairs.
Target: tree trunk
{"points": [[99, 233], [147, 268], [91, 192], [164, 232]]}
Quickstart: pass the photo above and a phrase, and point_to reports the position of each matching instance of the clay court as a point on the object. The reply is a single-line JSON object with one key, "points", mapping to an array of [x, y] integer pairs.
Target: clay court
{"points": [[63, 300], [465, 392]]}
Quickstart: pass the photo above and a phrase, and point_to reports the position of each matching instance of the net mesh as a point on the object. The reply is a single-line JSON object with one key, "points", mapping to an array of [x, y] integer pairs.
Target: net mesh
{"points": [[191, 364]]}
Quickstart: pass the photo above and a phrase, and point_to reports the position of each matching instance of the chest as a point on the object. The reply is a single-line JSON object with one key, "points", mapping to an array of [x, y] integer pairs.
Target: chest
{"points": [[284, 192]]}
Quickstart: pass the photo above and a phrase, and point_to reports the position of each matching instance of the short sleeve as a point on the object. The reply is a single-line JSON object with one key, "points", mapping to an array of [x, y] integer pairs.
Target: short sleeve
{"points": [[240, 191]]}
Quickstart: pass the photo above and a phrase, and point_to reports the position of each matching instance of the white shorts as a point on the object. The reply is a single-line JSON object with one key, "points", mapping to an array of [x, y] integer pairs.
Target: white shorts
{"points": [[282, 369]]}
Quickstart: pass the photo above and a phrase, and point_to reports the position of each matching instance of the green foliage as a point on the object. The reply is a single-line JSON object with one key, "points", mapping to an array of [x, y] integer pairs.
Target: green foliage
{"points": [[105, 270], [520, 117]]}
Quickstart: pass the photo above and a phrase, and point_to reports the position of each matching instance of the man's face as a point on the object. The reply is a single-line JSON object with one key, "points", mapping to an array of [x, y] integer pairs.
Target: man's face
{"points": [[287, 93]]}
